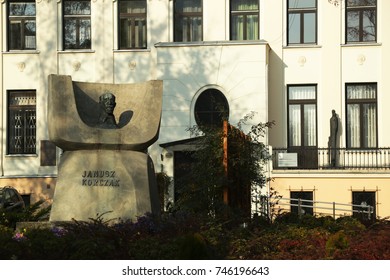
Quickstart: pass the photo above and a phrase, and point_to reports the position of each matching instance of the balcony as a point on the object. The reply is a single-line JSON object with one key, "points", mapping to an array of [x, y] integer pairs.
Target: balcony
{"points": [[326, 158]]}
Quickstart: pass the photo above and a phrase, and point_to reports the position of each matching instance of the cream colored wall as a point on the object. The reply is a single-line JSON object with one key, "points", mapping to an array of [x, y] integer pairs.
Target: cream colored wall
{"points": [[38, 188], [329, 64], [337, 188], [238, 71]]}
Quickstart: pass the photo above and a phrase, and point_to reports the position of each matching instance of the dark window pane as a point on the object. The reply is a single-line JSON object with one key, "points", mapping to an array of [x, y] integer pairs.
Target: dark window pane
{"points": [[77, 7], [244, 20], [294, 29], [21, 9], [309, 28], [302, 22], [188, 26], [353, 26], [132, 24], [15, 39], [306, 206], [361, 21], [21, 25], [369, 23], [211, 108], [361, 116], [132, 7], [354, 3], [302, 3], [244, 5], [186, 6]]}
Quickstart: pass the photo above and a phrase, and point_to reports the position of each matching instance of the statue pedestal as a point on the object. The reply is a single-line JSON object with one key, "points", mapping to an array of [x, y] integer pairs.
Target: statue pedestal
{"points": [[92, 182]]}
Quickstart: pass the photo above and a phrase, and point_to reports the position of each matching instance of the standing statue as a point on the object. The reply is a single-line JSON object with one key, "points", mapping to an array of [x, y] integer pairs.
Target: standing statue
{"points": [[332, 144]]}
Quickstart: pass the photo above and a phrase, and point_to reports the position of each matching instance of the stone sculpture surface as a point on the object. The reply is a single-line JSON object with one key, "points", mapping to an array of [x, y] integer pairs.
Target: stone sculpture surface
{"points": [[104, 167]]}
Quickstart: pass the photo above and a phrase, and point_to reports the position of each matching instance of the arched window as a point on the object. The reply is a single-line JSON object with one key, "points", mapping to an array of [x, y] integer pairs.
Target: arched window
{"points": [[211, 108]]}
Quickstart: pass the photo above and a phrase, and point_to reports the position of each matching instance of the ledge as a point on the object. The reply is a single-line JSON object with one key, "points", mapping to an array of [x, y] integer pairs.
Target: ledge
{"points": [[74, 51], [303, 46], [210, 43], [21, 52], [361, 45]]}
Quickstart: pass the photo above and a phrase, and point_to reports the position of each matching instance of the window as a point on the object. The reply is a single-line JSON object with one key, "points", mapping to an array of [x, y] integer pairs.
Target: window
{"points": [[21, 25], [132, 24], [244, 20], [21, 122], [361, 116], [303, 201], [361, 200], [302, 22], [360, 21], [302, 124], [188, 21], [211, 108], [77, 24], [302, 114]]}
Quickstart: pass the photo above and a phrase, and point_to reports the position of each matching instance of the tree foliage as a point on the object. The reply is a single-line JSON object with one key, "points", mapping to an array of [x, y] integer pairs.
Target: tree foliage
{"points": [[203, 186]]}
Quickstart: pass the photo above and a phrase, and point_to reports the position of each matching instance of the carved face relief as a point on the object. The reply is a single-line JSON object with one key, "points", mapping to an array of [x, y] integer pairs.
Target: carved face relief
{"points": [[108, 103]]}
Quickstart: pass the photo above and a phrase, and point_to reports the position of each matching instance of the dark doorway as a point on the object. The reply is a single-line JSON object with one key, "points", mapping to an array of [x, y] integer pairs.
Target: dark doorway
{"points": [[182, 164]]}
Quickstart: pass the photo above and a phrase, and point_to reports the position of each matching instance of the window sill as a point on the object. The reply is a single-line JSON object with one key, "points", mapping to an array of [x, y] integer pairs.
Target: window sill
{"points": [[363, 44], [302, 46], [131, 50], [10, 52], [75, 51], [20, 155]]}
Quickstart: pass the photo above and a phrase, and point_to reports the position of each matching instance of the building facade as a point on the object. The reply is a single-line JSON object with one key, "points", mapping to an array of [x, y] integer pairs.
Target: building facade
{"points": [[290, 61]]}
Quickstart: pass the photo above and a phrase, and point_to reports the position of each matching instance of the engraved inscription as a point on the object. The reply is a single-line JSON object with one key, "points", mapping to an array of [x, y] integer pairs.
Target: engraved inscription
{"points": [[99, 178]]}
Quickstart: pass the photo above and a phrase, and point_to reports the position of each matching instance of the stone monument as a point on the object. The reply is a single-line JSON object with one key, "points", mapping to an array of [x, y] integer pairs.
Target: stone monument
{"points": [[104, 131]]}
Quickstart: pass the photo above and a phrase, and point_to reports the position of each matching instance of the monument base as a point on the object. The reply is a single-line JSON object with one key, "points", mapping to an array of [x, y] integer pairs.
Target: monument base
{"points": [[117, 183]]}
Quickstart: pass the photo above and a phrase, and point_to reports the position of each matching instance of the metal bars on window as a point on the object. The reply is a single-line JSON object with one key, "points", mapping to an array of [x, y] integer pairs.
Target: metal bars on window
{"points": [[22, 122]]}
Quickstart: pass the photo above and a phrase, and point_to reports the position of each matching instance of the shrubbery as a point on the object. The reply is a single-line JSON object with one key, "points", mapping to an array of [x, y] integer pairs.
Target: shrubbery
{"points": [[182, 235]]}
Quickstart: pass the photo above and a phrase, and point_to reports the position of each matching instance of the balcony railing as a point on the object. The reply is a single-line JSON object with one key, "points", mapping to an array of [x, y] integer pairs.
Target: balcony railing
{"points": [[326, 158]]}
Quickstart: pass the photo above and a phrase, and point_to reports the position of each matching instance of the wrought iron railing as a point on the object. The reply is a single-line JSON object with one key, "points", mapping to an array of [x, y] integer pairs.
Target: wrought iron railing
{"points": [[326, 158]]}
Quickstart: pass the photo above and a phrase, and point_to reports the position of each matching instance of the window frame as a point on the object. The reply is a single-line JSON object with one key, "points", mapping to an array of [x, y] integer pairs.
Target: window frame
{"points": [[132, 17], [179, 15], [361, 9], [12, 149], [214, 113], [302, 103], [363, 196], [361, 102], [22, 19], [78, 18], [244, 13], [301, 12], [305, 195]]}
